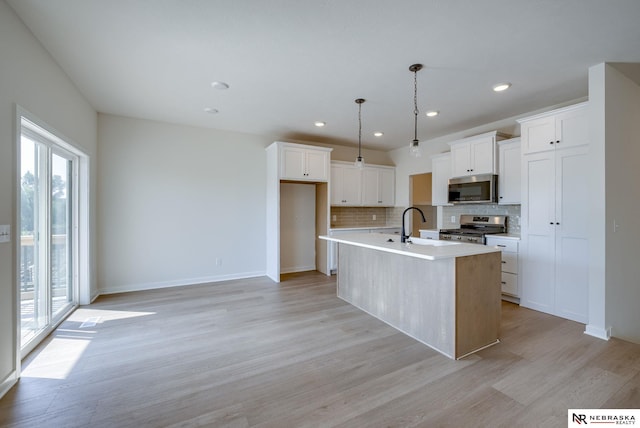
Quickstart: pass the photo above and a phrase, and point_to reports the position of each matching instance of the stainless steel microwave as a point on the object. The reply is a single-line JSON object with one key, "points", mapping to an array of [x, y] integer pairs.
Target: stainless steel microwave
{"points": [[475, 189]]}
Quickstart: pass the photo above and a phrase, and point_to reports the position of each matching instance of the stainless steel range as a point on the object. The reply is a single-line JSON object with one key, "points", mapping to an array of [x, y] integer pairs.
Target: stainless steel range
{"points": [[473, 228]]}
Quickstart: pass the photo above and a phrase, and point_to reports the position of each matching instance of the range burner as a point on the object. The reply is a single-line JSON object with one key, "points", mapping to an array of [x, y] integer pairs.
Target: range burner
{"points": [[473, 228]]}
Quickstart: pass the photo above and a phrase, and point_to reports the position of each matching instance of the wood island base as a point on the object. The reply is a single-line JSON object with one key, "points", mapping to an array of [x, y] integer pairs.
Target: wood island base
{"points": [[451, 304]]}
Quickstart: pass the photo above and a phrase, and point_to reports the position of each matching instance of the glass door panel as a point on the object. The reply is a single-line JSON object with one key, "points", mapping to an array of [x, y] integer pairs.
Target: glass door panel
{"points": [[32, 296], [61, 233]]}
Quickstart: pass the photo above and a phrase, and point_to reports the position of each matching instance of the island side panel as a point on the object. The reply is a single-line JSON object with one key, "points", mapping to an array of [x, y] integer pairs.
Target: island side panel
{"points": [[416, 296], [478, 302]]}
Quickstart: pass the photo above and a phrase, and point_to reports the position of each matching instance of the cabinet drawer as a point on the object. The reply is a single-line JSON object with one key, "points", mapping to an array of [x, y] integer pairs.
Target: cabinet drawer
{"points": [[510, 283], [503, 244], [509, 262]]}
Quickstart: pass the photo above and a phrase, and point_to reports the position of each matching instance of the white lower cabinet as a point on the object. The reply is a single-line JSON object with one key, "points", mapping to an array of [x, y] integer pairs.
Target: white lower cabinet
{"points": [[509, 270]]}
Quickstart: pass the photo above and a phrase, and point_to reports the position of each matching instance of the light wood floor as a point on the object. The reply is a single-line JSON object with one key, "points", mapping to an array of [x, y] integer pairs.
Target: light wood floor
{"points": [[252, 353]]}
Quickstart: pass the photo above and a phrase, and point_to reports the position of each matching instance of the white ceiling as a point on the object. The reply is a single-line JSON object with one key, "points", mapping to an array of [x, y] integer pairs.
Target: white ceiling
{"points": [[292, 62]]}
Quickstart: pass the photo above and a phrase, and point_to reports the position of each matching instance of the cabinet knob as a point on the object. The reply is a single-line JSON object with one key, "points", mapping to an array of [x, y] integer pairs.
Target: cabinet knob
{"points": [[503, 283], [558, 223], [551, 223], [557, 141], [550, 142], [500, 197]]}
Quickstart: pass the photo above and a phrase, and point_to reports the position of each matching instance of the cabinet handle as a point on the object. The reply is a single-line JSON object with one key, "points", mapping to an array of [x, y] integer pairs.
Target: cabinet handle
{"points": [[500, 245], [503, 262], [503, 283], [500, 197]]}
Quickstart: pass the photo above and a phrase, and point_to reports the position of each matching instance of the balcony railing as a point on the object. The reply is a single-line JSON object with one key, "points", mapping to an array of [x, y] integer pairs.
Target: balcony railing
{"points": [[59, 265]]}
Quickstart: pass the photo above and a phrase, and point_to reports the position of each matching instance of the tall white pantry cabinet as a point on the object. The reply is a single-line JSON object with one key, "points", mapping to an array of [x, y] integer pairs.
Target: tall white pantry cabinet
{"points": [[554, 217]]}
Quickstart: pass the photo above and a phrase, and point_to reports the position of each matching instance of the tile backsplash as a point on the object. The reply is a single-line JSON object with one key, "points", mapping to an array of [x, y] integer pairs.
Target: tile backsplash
{"points": [[363, 216], [511, 211]]}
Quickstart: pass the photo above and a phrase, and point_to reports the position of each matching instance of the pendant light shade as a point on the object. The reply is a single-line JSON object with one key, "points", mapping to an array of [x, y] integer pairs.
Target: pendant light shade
{"points": [[414, 146], [359, 163]]}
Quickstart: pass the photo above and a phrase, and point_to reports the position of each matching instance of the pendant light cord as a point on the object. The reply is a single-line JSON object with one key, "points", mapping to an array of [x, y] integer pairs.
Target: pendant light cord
{"points": [[359, 128], [415, 105]]}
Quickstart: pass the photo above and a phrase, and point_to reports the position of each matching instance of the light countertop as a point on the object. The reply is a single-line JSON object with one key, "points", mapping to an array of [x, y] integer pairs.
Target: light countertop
{"points": [[431, 250], [505, 235]]}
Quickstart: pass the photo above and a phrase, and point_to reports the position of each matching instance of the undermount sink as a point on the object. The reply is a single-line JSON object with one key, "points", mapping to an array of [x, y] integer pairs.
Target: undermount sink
{"points": [[432, 242]]}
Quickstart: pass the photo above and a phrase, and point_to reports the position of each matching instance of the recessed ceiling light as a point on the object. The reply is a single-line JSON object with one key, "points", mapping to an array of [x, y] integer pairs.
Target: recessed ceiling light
{"points": [[502, 87], [210, 110], [219, 85], [433, 113], [378, 134], [320, 124]]}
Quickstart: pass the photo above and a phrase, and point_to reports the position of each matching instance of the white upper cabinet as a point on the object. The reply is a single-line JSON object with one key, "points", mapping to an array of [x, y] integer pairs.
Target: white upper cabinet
{"points": [[440, 175], [304, 163], [475, 155], [560, 128], [372, 186], [509, 159], [378, 186], [346, 185]]}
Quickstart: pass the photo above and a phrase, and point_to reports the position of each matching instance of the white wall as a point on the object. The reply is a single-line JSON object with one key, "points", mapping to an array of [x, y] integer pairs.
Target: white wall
{"points": [[174, 200], [31, 79], [622, 134], [597, 324]]}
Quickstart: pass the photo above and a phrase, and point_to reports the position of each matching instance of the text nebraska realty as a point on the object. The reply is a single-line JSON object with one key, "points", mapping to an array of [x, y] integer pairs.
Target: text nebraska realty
{"points": [[610, 419]]}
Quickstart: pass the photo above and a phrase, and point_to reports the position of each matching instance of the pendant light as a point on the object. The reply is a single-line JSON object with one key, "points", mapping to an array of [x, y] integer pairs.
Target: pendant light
{"points": [[359, 163], [414, 146]]}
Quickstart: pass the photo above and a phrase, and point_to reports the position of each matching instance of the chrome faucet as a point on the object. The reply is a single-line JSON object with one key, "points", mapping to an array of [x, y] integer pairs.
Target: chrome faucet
{"points": [[403, 237]]}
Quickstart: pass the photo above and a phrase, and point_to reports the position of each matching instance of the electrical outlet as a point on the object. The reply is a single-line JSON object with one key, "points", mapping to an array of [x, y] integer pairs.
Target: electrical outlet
{"points": [[218, 261], [373, 217], [453, 219]]}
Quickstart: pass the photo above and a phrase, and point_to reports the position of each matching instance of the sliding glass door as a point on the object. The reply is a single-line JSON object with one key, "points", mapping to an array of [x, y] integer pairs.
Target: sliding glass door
{"points": [[48, 289]]}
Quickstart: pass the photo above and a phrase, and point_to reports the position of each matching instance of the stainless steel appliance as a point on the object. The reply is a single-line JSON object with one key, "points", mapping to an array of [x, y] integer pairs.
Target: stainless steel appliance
{"points": [[473, 228], [475, 189]]}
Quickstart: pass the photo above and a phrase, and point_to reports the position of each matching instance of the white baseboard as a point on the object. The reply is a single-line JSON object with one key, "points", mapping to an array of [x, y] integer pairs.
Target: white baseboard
{"points": [[599, 332], [297, 269], [178, 283], [8, 382]]}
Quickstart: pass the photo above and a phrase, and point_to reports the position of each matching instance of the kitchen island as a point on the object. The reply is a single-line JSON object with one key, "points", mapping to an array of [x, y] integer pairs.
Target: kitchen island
{"points": [[444, 294]]}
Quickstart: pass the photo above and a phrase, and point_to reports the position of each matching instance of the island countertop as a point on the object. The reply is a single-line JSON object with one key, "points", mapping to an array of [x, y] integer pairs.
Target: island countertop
{"points": [[421, 248]]}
